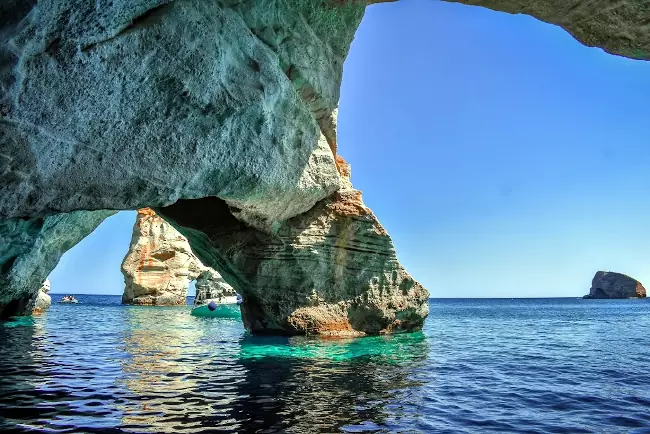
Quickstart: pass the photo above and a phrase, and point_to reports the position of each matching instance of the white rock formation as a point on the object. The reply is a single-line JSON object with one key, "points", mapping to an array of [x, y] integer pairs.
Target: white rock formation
{"points": [[160, 265], [42, 301]]}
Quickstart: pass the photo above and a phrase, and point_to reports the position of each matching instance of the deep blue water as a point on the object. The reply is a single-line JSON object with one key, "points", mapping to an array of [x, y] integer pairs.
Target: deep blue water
{"points": [[532, 365]]}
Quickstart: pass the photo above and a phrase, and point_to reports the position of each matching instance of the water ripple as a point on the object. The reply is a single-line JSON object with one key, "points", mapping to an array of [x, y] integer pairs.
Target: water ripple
{"points": [[534, 366]]}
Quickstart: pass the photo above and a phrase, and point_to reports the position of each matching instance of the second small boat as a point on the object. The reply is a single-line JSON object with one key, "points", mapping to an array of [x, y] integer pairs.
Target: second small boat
{"points": [[221, 302]]}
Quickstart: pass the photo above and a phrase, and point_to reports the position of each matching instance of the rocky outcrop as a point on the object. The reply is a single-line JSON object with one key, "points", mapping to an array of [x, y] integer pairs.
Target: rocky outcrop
{"points": [[98, 96], [41, 301], [331, 270], [29, 251], [606, 284], [210, 285], [227, 111], [160, 265]]}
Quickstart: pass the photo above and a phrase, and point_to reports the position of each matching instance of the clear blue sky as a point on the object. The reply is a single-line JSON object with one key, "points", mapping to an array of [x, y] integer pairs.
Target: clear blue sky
{"points": [[505, 159]]}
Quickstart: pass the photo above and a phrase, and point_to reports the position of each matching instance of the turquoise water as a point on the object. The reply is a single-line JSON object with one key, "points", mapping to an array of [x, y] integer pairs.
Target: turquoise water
{"points": [[548, 365]]}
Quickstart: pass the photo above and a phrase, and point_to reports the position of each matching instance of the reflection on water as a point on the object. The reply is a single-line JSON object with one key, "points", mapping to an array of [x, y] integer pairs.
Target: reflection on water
{"points": [[568, 366], [109, 368], [158, 366]]}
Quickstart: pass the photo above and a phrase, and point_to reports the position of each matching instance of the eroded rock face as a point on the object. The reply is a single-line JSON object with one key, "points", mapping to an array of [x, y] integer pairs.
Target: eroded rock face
{"points": [[160, 265], [607, 284], [330, 271], [117, 105], [29, 251], [41, 301], [210, 285], [619, 27]]}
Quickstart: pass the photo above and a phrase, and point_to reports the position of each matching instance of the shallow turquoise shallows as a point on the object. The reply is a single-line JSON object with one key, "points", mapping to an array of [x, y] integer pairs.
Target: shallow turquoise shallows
{"points": [[551, 365], [220, 311]]}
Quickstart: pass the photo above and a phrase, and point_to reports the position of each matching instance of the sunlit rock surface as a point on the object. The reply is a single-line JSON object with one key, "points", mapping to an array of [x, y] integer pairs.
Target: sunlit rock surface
{"points": [[160, 265], [120, 105], [29, 251], [619, 27], [330, 271], [607, 284], [41, 301], [210, 285], [117, 105]]}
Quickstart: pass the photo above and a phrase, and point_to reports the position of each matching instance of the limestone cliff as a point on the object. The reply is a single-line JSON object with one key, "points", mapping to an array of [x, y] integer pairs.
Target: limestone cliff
{"points": [[607, 284], [29, 251], [221, 114], [160, 265]]}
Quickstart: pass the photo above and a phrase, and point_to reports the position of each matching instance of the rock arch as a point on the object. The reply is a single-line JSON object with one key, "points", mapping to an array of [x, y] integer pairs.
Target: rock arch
{"points": [[222, 116], [159, 265]]}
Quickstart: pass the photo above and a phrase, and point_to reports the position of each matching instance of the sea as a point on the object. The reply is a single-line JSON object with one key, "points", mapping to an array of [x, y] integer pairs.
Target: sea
{"points": [[479, 366]]}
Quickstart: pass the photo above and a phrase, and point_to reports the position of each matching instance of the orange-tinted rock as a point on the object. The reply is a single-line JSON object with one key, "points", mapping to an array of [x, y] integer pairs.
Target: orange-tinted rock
{"points": [[330, 271], [160, 265]]}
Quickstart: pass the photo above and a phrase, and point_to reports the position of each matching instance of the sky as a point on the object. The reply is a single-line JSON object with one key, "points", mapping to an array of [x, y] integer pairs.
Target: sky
{"points": [[504, 158]]}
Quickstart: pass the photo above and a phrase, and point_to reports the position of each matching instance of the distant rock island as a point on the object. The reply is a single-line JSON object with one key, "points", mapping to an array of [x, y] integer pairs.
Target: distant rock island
{"points": [[607, 284]]}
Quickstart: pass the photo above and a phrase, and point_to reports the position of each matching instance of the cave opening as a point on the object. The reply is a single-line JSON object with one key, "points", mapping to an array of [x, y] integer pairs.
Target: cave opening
{"points": [[100, 268]]}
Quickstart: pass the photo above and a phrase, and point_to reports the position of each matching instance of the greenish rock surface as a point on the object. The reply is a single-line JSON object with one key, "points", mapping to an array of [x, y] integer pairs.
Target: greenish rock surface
{"points": [[119, 105], [29, 251]]}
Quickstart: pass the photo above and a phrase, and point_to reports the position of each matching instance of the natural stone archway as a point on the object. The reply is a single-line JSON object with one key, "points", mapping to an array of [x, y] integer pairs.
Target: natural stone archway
{"points": [[29, 251], [331, 270], [119, 105], [159, 265]]}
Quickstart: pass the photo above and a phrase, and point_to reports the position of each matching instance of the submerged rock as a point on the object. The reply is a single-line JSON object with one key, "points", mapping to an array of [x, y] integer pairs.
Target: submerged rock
{"points": [[160, 265], [606, 284]]}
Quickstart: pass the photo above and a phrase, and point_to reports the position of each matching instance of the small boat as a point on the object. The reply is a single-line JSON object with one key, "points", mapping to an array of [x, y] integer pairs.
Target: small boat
{"points": [[221, 303], [69, 299], [227, 307]]}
